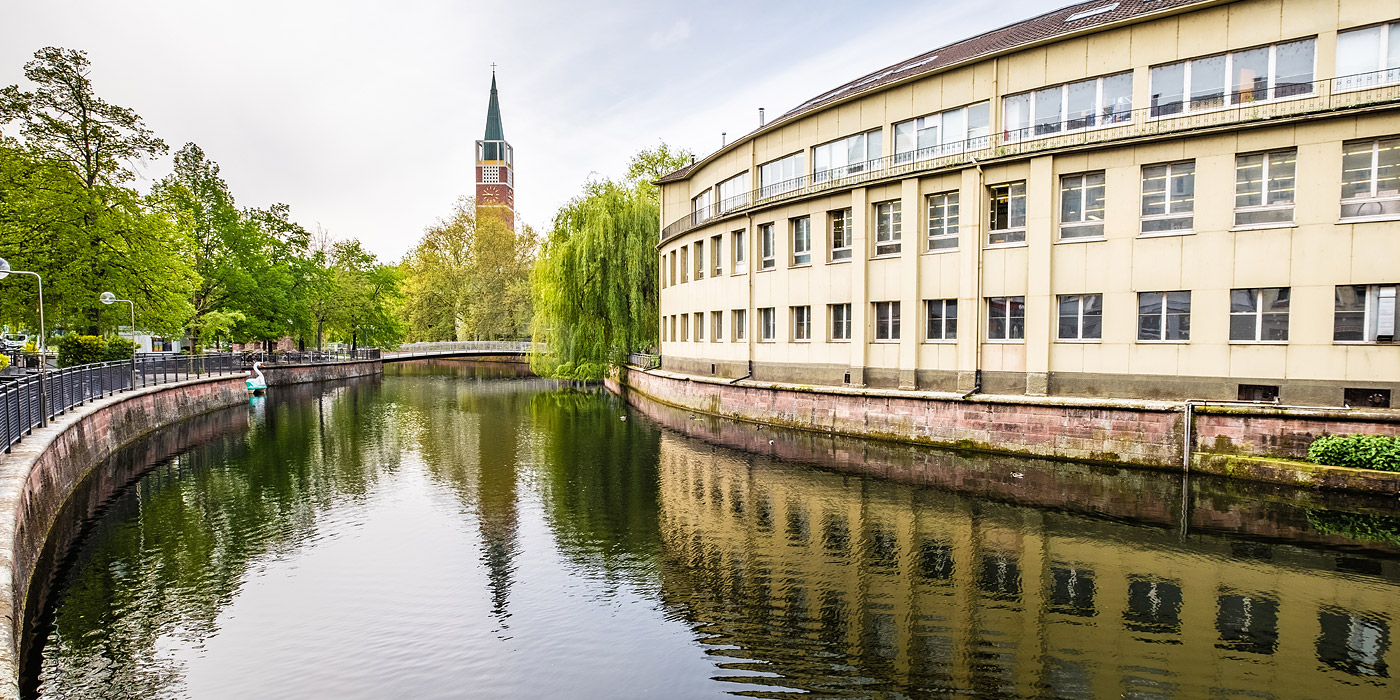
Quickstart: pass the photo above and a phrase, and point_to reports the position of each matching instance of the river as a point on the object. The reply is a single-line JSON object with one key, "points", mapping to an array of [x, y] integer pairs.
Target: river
{"points": [[454, 530]]}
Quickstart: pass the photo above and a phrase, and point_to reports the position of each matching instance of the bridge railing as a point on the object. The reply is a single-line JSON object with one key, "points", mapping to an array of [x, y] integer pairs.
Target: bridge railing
{"points": [[466, 346]]}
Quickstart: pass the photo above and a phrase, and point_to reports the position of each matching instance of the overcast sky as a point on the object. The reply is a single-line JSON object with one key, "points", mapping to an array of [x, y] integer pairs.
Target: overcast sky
{"points": [[361, 114]]}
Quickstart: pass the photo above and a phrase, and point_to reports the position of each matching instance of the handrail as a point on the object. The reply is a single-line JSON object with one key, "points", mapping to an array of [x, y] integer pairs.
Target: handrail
{"points": [[1187, 114], [445, 347]]}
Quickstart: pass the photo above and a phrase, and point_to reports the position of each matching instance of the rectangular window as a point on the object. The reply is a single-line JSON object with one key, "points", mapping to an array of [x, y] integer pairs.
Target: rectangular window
{"points": [[673, 268], [767, 325], [716, 326], [1168, 197], [942, 319], [699, 326], [673, 328], [662, 273], [699, 260], [801, 323], [716, 257], [1371, 178], [700, 209], [1368, 58], [840, 234], [886, 320], [1225, 80], [1366, 398], [1263, 393], [685, 264], [740, 319], [1164, 316], [943, 221], [734, 193], [1081, 205], [1259, 315], [1073, 106], [1081, 317], [1006, 318], [1007, 217], [782, 176], [945, 133], [840, 321], [802, 241], [848, 156], [765, 241], [685, 327], [1365, 313], [736, 241], [887, 227], [1264, 184]]}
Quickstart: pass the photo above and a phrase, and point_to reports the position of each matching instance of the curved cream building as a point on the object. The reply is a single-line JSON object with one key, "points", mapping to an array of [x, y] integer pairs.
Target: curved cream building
{"points": [[1141, 198]]}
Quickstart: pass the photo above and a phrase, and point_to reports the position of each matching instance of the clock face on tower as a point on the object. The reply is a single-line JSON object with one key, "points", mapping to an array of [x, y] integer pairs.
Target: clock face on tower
{"points": [[495, 164]]}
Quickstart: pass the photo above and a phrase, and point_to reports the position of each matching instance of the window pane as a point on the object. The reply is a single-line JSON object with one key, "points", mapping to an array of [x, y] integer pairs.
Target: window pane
{"points": [[1048, 107], [1093, 327], [1154, 190], [1071, 198], [1183, 187], [1149, 326], [950, 319], [1016, 115], [1208, 82], [1242, 301], [1388, 157], [1016, 324], [1280, 185], [1093, 196], [1250, 79], [954, 126], [1117, 104], [1275, 327], [1293, 68], [1083, 96], [1249, 180], [1168, 87], [1242, 327], [1017, 216], [1359, 51], [904, 137], [978, 122], [1178, 327]]}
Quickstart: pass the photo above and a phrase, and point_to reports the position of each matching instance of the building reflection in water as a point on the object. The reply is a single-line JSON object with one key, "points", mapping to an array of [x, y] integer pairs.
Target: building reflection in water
{"points": [[811, 581]]}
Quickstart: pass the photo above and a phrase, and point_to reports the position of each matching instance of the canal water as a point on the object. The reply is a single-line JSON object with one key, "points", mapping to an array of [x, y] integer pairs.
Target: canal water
{"points": [[459, 531]]}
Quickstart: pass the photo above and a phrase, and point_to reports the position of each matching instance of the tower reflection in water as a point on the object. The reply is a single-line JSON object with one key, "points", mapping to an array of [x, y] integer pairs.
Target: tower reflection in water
{"points": [[837, 584]]}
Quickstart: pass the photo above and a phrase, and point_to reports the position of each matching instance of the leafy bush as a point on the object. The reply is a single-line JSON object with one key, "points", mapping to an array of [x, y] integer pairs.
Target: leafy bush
{"points": [[1360, 451], [74, 349], [118, 349], [4, 361]]}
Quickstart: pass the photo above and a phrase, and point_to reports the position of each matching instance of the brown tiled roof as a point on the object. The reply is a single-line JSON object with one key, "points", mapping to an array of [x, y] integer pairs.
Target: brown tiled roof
{"points": [[1087, 15]]}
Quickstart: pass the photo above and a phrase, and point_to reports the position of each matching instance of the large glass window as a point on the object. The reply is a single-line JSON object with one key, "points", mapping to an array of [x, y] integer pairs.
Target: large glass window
{"points": [[888, 229], [1164, 316], [1081, 205], [1069, 107], [740, 323], [699, 326], [767, 325], [942, 319], [783, 175], [840, 321], [766, 247], [943, 221], [699, 260], [1168, 197], [1006, 318], [802, 241], [717, 326], [1241, 77], [1371, 178], [685, 264], [716, 256], [1081, 317], [887, 320], [851, 155], [736, 240], [840, 234], [953, 131], [685, 328], [1007, 215], [801, 323], [1264, 184], [734, 193], [1368, 57], [1365, 313], [1259, 315], [700, 206]]}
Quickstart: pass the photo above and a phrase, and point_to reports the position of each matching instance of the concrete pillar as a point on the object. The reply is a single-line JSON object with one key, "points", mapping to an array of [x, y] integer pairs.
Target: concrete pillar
{"points": [[1041, 200], [910, 310], [860, 289], [972, 216]]}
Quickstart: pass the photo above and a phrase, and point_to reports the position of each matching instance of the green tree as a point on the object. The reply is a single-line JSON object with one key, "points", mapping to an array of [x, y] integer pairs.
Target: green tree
{"points": [[595, 283]]}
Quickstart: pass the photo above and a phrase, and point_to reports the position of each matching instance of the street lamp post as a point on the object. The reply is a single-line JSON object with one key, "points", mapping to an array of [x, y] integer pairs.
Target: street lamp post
{"points": [[43, 346], [109, 298]]}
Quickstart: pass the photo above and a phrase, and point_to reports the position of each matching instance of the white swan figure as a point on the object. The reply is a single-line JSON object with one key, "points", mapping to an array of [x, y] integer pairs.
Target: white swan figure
{"points": [[259, 382]]}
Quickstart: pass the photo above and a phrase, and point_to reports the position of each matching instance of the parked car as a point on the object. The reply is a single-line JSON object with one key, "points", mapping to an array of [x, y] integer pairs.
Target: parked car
{"points": [[14, 341]]}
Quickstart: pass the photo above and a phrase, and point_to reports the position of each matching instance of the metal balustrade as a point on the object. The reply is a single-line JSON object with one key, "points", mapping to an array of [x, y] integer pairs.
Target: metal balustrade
{"points": [[466, 346], [1317, 97]]}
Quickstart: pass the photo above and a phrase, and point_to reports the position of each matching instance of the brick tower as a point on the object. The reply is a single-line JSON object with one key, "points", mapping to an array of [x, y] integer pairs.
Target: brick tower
{"points": [[495, 164]]}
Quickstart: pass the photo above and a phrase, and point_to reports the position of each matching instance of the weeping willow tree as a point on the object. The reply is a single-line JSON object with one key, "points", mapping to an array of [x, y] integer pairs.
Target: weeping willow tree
{"points": [[595, 282]]}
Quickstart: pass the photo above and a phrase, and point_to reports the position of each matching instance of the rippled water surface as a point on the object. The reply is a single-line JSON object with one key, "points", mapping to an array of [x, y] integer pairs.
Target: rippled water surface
{"points": [[452, 531]]}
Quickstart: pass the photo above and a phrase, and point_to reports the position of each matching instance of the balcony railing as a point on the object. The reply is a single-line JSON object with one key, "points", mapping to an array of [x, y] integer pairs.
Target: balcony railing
{"points": [[1299, 99]]}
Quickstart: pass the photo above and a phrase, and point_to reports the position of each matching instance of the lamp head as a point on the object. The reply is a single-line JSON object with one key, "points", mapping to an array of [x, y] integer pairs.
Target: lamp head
{"points": [[108, 298], [4, 268]]}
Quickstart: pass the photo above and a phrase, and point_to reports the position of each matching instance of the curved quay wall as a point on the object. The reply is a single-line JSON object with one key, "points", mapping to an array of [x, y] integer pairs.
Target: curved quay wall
{"points": [[41, 474]]}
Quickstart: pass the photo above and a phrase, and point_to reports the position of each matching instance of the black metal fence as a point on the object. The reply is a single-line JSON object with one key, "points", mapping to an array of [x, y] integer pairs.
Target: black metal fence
{"points": [[307, 357]]}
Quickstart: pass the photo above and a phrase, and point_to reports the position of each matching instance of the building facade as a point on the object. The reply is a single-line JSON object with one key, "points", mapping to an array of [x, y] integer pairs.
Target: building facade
{"points": [[1145, 199], [495, 164]]}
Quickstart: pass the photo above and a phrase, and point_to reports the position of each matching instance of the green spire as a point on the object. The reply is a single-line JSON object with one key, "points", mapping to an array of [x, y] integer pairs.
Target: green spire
{"points": [[493, 115]]}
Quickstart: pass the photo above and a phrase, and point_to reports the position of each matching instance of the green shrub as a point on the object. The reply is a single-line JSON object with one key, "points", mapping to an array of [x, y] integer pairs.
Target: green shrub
{"points": [[74, 349], [1360, 451], [118, 349]]}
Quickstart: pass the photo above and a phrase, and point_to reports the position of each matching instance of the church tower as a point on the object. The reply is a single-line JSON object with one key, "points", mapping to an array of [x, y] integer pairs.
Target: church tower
{"points": [[495, 164]]}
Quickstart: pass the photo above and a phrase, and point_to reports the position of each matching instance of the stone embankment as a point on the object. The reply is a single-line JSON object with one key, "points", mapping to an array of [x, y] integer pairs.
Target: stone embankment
{"points": [[42, 472]]}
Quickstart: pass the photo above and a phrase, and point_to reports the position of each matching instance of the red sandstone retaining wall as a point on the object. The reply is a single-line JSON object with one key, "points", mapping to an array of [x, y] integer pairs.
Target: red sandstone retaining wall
{"points": [[1265, 431]]}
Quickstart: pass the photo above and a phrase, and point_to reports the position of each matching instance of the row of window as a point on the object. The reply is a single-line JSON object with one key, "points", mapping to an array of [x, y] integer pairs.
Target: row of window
{"points": [[1265, 187], [1366, 58], [1362, 313]]}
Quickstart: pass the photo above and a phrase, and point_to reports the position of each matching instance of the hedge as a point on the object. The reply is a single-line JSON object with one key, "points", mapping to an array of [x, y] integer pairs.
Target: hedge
{"points": [[1360, 451]]}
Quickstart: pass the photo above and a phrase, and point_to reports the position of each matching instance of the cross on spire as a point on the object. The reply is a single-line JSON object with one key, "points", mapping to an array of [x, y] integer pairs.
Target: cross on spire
{"points": [[493, 68]]}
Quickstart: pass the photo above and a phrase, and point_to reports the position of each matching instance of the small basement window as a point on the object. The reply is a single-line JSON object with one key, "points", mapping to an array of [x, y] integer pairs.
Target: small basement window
{"points": [[1258, 392], [1366, 398]]}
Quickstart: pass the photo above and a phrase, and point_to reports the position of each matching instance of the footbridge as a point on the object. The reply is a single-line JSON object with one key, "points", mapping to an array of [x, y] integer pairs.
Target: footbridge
{"points": [[465, 348]]}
